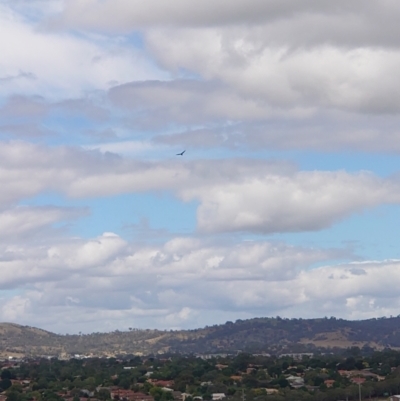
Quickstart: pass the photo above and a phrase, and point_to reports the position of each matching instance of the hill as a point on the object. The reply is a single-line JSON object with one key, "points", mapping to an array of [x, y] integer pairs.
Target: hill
{"points": [[272, 335]]}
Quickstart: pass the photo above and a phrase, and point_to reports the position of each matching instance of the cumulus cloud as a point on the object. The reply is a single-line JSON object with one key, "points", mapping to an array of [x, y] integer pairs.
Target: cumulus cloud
{"points": [[317, 135], [233, 195], [261, 70], [213, 114], [23, 222], [171, 284], [231, 74], [129, 15], [157, 104], [158, 279], [354, 79], [286, 55], [279, 203], [62, 65], [246, 196], [35, 116]]}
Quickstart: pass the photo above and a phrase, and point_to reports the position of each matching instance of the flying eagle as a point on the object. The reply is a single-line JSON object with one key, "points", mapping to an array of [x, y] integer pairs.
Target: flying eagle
{"points": [[181, 154]]}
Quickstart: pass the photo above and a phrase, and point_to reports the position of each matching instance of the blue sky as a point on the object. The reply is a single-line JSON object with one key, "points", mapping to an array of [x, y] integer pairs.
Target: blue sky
{"points": [[289, 115]]}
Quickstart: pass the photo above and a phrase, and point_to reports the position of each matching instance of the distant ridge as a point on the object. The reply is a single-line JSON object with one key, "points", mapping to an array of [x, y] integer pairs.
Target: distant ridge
{"points": [[271, 335]]}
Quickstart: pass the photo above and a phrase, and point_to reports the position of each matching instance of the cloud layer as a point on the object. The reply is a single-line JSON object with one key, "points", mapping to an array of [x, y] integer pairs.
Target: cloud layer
{"points": [[106, 280], [289, 115], [233, 195]]}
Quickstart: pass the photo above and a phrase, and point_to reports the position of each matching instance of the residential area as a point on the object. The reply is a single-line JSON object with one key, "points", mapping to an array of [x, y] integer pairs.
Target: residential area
{"points": [[307, 377]]}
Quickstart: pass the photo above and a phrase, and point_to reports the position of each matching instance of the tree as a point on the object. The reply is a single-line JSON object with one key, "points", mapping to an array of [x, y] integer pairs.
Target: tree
{"points": [[160, 395], [103, 394], [5, 374], [13, 396], [5, 384], [282, 382], [249, 381], [183, 380], [16, 388]]}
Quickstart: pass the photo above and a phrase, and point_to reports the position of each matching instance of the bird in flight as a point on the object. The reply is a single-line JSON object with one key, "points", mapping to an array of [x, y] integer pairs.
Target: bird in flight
{"points": [[181, 154]]}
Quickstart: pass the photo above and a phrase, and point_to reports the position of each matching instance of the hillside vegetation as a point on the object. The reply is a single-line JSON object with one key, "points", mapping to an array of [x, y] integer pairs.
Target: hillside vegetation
{"points": [[271, 335]]}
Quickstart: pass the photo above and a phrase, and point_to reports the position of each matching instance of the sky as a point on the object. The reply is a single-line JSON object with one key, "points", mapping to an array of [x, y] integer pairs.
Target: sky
{"points": [[285, 203]]}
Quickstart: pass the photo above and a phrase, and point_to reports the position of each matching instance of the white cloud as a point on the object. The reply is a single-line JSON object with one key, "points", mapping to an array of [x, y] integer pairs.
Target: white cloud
{"points": [[128, 15], [158, 104], [253, 64], [351, 79], [23, 222], [125, 148], [234, 195], [282, 55], [259, 74], [172, 284], [299, 202], [108, 279], [16, 308], [214, 114], [59, 65], [94, 252]]}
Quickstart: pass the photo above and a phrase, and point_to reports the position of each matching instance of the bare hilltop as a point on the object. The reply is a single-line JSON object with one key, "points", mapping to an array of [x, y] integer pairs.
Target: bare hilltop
{"points": [[270, 335]]}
